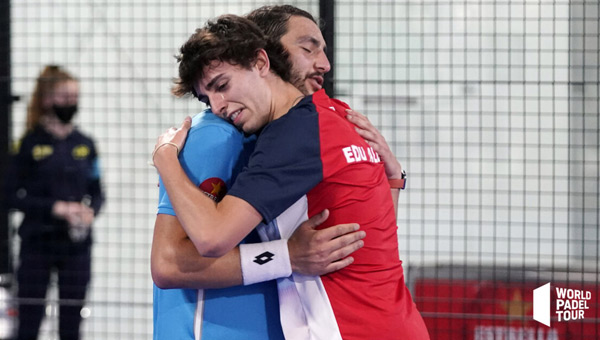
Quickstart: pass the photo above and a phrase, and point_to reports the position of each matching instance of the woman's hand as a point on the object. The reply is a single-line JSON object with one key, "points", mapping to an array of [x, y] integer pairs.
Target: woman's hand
{"points": [[75, 213]]}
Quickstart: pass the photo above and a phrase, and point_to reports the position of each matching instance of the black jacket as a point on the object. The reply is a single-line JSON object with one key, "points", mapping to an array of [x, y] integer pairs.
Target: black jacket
{"points": [[44, 170]]}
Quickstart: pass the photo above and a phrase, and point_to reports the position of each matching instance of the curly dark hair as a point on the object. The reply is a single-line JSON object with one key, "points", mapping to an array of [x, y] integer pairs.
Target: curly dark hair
{"points": [[228, 38]]}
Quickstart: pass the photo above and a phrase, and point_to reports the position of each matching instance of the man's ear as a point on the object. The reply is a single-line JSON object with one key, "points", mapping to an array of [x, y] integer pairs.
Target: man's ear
{"points": [[262, 62]]}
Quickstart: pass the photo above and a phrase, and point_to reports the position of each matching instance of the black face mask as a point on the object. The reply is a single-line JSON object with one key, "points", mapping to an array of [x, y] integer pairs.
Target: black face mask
{"points": [[65, 113]]}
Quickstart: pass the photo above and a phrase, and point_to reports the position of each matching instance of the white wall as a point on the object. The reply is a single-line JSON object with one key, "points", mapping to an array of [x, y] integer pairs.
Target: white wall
{"points": [[475, 98]]}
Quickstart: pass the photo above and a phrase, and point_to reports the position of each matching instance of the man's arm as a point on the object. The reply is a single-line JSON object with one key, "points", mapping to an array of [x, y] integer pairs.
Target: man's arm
{"points": [[393, 168], [214, 229], [175, 262]]}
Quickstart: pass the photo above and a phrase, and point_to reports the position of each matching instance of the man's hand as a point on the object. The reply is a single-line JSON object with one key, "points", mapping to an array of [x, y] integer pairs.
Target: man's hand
{"points": [[318, 252], [375, 139], [171, 139]]}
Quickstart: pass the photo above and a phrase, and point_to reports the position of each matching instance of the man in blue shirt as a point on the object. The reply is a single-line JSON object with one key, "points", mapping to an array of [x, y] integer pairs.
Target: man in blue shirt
{"points": [[233, 311], [248, 312]]}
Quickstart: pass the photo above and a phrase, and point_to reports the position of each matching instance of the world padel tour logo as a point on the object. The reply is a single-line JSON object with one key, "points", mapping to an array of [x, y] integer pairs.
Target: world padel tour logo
{"points": [[571, 304]]}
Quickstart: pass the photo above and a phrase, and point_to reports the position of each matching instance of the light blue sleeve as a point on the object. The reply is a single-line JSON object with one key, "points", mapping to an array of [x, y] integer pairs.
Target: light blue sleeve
{"points": [[213, 149]]}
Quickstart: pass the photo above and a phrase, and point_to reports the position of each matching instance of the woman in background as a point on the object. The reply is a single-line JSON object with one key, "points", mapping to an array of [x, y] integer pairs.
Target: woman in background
{"points": [[54, 180]]}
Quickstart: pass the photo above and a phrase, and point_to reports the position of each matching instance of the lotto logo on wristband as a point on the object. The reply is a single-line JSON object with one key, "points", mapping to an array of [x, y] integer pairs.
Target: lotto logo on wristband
{"points": [[264, 258]]}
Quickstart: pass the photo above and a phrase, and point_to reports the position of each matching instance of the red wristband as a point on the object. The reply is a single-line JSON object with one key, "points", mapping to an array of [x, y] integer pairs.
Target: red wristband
{"points": [[398, 183]]}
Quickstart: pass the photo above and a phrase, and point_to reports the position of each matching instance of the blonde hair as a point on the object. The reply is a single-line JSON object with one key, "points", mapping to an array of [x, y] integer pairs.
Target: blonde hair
{"points": [[45, 84]]}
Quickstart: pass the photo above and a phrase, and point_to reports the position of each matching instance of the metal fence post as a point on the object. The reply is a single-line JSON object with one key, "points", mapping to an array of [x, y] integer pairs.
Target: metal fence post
{"points": [[5, 120], [327, 16]]}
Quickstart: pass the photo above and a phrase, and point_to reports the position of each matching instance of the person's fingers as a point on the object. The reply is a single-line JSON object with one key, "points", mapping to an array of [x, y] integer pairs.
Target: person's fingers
{"points": [[173, 136], [187, 123], [359, 119], [346, 240], [339, 258], [344, 245], [338, 231], [366, 130], [346, 250], [381, 150], [337, 265], [361, 122], [374, 145], [356, 113], [368, 135], [85, 207], [350, 237], [317, 219]]}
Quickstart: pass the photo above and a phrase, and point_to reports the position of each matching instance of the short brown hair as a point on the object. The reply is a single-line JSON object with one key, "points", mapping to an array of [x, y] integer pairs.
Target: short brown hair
{"points": [[228, 38]]}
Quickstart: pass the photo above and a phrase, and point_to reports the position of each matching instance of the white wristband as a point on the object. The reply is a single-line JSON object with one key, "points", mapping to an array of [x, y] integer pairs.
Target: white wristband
{"points": [[265, 261]]}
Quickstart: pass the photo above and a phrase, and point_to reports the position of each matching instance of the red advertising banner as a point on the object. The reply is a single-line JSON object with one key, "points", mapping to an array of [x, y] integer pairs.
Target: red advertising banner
{"points": [[501, 309]]}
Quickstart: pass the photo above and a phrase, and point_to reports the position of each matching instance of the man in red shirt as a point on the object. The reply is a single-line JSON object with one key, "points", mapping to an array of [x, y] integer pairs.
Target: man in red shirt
{"points": [[309, 157]]}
